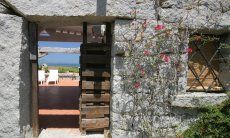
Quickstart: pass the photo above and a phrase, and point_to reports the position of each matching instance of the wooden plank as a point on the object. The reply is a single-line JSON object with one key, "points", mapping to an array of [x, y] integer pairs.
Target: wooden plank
{"points": [[94, 104], [34, 77], [94, 123], [91, 85], [91, 116], [84, 32], [93, 110], [94, 44], [34, 93], [57, 112], [98, 59], [96, 48], [95, 66], [95, 97], [108, 34], [95, 73], [95, 92], [33, 40]]}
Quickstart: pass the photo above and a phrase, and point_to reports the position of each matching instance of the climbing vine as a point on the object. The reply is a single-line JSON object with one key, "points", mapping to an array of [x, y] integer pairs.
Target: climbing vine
{"points": [[155, 60]]}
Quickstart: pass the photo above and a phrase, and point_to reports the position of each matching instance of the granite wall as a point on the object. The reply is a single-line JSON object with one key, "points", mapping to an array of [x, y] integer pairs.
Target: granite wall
{"points": [[14, 76], [206, 16]]}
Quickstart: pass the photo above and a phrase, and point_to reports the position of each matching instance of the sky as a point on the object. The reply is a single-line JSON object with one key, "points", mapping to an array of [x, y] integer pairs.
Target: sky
{"points": [[59, 58]]}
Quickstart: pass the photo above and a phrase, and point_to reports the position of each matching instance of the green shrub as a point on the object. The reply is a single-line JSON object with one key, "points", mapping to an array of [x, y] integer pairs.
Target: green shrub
{"points": [[214, 122], [68, 69], [46, 69]]}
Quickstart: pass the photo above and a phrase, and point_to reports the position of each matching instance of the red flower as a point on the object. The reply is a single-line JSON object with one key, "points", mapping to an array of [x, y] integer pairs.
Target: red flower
{"points": [[142, 72], [159, 27], [146, 53], [189, 50], [137, 85], [166, 58], [174, 24], [138, 66], [145, 24]]}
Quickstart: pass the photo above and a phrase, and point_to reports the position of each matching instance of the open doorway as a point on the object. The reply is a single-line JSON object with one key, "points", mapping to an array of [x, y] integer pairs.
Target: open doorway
{"points": [[59, 76]]}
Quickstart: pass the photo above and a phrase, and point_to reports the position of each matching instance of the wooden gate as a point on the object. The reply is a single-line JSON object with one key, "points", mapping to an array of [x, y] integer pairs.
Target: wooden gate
{"points": [[95, 83]]}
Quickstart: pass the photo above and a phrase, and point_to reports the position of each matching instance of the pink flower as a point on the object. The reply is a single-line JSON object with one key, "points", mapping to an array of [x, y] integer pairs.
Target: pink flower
{"points": [[145, 24], [142, 72], [146, 52], [137, 85], [174, 24], [189, 50], [159, 27], [138, 66], [166, 58]]}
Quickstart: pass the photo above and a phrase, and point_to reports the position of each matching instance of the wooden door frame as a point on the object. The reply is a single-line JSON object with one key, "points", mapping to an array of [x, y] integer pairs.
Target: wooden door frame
{"points": [[33, 49]]}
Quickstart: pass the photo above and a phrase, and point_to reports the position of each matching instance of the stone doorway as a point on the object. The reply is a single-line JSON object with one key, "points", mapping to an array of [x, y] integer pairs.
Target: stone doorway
{"points": [[58, 79], [44, 119]]}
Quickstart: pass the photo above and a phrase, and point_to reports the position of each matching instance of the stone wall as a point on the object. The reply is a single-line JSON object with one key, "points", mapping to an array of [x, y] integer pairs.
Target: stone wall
{"points": [[14, 77], [208, 16], [122, 124], [211, 16]]}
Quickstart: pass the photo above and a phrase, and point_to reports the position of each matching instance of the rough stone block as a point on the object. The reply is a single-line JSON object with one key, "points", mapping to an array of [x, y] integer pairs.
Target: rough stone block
{"points": [[117, 133], [120, 48], [117, 84], [54, 8], [121, 103], [123, 31], [199, 99], [146, 10], [14, 76], [119, 8], [117, 65], [200, 17], [214, 5], [182, 70], [224, 20]]}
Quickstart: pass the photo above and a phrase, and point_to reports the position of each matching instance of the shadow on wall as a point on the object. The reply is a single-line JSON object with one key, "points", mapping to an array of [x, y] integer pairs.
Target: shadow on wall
{"points": [[24, 87], [101, 7]]}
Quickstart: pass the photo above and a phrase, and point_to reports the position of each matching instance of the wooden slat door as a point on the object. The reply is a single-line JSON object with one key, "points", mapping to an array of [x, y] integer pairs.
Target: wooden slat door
{"points": [[95, 83]]}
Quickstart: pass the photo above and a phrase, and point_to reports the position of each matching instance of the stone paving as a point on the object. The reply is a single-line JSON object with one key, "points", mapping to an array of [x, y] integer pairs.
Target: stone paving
{"points": [[66, 133]]}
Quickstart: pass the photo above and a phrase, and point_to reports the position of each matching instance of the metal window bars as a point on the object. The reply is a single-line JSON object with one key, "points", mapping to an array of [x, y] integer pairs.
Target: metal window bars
{"points": [[206, 78]]}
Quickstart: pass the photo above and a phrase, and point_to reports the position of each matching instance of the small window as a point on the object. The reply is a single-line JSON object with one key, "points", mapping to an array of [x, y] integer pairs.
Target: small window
{"points": [[204, 64]]}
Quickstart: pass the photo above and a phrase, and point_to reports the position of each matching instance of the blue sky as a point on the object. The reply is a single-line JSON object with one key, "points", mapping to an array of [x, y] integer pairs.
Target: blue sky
{"points": [[59, 58]]}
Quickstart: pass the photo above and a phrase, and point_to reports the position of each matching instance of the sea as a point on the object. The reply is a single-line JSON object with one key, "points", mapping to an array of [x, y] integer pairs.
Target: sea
{"points": [[62, 64]]}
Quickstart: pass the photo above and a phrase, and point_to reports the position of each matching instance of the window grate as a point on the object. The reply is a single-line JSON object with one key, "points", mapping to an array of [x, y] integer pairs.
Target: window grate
{"points": [[203, 66]]}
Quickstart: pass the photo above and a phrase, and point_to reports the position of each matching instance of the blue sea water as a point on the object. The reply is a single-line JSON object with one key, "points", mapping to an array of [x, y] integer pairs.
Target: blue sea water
{"points": [[60, 59], [64, 65], [61, 64]]}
